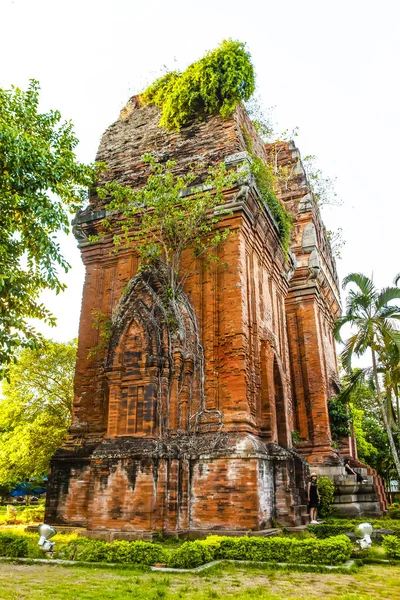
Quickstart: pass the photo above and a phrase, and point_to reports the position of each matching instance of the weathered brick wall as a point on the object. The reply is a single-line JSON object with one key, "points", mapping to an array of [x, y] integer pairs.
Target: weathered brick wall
{"points": [[312, 304], [267, 355]]}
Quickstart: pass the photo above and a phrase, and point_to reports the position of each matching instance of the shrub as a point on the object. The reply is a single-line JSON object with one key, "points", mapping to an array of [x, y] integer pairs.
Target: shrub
{"points": [[15, 546], [391, 544], [332, 551], [326, 490], [121, 551], [394, 511], [32, 515], [20, 546], [213, 85], [194, 554], [85, 550], [327, 531], [337, 526], [144, 553]]}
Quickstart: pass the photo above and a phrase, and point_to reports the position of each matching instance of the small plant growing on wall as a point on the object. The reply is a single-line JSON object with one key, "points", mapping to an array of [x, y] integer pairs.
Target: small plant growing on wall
{"points": [[104, 325], [168, 216]]}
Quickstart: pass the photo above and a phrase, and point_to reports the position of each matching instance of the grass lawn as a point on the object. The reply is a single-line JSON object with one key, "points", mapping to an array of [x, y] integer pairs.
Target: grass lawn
{"points": [[36, 582]]}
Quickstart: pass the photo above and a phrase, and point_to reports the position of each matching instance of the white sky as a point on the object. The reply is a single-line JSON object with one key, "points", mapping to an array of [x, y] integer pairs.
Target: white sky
{"points": [[329, 67]]}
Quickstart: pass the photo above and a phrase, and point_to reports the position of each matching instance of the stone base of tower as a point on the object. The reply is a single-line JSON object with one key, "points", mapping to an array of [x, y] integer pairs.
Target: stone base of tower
{"points": [[186, 484]]}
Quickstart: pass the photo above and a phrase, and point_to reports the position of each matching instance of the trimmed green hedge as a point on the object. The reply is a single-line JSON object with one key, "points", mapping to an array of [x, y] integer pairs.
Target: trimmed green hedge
{"points": [[13, 545], [394, 511], [332, 551], [391, 544], [339, 527], [326, 531], [20, 546], [120, 551]]}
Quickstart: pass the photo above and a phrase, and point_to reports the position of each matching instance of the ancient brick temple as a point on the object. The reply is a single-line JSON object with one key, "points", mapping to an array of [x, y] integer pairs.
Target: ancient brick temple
{"points": [[192, 430]]}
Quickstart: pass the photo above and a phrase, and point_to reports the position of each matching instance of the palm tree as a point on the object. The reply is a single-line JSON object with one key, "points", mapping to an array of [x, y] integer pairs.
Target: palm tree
{"points": [[372, 319], [390, 367]]}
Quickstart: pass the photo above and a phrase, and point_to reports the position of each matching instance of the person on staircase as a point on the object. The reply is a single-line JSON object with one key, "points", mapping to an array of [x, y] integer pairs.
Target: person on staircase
{"points": [[350, 471], [313, 498]]}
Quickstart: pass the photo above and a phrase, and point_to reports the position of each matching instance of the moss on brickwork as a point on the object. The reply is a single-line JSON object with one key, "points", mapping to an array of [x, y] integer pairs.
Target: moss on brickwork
{"points": [[264, 177], [265, 180], [213, 85]]}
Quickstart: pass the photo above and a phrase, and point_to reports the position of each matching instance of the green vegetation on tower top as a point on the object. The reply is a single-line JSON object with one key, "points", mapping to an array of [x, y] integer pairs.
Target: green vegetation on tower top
{"points": [[213, 85]]}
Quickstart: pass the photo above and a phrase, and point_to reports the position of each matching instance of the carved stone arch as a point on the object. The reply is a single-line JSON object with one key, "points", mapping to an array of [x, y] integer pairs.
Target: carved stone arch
{"points": [[151, 349]]}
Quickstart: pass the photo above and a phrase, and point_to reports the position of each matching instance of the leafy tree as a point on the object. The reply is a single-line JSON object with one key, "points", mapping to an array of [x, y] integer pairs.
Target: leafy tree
{"points": [[373, 443], [35, 410], [213, 85], [339, 418], [372, 318], [359, 396], [40, 183], [169, 215]]}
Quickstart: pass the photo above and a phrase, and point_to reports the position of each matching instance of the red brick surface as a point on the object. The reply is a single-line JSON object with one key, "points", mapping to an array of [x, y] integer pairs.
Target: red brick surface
{"points": [[145, 451]]}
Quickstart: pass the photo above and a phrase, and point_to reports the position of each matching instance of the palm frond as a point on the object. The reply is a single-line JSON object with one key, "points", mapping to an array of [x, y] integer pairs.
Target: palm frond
{"points": [[356, 378], [338, 326], [388, 332], [386, 295], [389, 312], [365, 284], [355, 301], [348, 351]]}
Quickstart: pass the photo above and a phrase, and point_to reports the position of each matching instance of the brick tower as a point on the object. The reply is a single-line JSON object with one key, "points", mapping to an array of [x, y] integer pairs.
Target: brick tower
{"points": [[192, 431]]}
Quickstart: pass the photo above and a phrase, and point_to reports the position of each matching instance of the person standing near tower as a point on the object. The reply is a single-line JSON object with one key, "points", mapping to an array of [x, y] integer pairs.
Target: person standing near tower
{"points": [[313, 498]]}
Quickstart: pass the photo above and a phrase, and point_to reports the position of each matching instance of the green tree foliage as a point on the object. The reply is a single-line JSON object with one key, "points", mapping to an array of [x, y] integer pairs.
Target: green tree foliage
{"points": [[373, 320], [213, 85], [40, 182], [35, 410], [326, 491], [369, 429], [267, 182], [168, 216], [264, 177], [339, 418]]}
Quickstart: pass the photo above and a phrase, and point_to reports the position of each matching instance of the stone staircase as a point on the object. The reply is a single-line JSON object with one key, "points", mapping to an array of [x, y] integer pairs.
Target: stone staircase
{"points": [[353, 499], [379, 489]]}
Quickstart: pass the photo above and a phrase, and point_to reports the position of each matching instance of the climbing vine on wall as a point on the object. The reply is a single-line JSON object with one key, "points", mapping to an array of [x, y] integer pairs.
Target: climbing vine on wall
{"points": [[266, 182], [264, 177], [213, 85]]}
